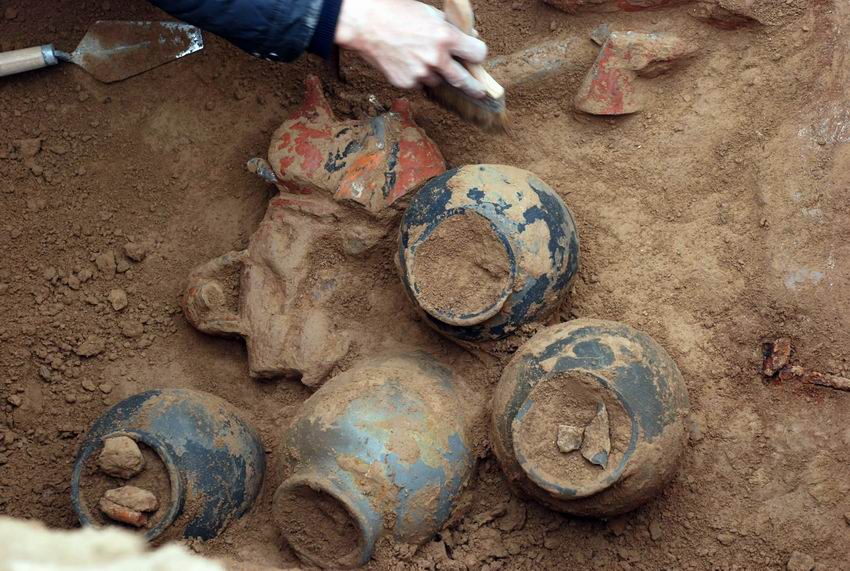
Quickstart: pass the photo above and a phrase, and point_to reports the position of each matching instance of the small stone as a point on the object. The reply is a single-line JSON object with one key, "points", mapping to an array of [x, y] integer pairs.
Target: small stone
{"points": [[569, 438], [778, 356], [655, 530], [122, 265], [15, 400], [105, 388], [88, 385], [121, 457], [37, 170], [93, 345], [73, 282], [28, 148], [597, 438], [132, 329], [137, 499], [135, 251], [105, 263], [726, 538], [800, 562], [11, 13], [84, 275], [50, 273], [70, 398], [118, 299]]}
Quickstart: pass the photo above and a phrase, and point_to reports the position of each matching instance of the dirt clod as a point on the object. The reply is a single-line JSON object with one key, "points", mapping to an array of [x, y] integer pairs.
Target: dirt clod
{"points": [[136, 251], [93, 345], [105, 262], [121, 457], [569, 438], [800, 561], [118, 299]]}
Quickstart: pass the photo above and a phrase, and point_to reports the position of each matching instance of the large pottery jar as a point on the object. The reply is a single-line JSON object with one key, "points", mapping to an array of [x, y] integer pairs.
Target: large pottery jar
{"points": [[484, 249], [589, 417], [381, 449], [172, 462]]}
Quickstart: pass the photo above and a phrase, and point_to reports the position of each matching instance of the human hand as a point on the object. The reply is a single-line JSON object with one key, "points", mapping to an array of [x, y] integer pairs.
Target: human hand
{"points": [[410, 42]]}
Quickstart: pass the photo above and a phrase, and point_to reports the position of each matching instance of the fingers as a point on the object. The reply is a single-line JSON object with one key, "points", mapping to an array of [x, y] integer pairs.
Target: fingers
{"points": [[466, 47], [457, 76]]}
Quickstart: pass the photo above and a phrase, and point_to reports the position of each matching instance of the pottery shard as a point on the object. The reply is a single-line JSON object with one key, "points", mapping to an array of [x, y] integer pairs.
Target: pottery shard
{"points": [[117, 512], [611, 86], [778, 356], [569, 438], [137, 499], [121, 457], [597, 438]]}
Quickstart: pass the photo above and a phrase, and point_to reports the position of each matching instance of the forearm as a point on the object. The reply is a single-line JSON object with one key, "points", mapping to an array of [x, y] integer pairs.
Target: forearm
{"points": [[273, 29]]}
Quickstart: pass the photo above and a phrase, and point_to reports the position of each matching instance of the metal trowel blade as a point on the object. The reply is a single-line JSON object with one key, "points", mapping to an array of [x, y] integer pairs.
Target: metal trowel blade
{"points": [[112, 51]]}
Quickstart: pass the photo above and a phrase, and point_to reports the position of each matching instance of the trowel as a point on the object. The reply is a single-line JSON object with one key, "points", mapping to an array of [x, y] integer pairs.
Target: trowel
{"points": [[111, 51]]}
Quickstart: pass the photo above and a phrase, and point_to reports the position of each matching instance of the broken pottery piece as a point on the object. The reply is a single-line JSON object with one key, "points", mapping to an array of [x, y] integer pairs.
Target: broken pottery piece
{"points": [[725, 14], [611, 87], [341, 187], [597, 439]]}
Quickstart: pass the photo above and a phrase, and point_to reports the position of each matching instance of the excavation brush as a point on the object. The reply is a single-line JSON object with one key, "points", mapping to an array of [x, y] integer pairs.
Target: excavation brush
{"points": [[111, 51]]}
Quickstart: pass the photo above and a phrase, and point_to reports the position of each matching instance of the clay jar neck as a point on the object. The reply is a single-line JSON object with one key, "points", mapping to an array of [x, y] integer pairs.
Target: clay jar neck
{"points": [[324, 524], [177, 486], [462, 268], [574, 434]]}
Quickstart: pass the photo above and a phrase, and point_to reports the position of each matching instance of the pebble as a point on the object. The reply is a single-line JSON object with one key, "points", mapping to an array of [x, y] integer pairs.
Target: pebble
{"points": [[122, 265], [135, 251], [726, 538], [84, 275], [11, 13], [618, 526], [105, 388], [15, 400], [93, 345], [105, 263], [121, 457], [73, 282], [50, 273], [800, 562], [70, 398], [118, 299], [88, 385]]}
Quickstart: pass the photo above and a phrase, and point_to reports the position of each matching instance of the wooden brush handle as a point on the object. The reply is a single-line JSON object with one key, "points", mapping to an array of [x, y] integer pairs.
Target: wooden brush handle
{"points": [[459, 14]]}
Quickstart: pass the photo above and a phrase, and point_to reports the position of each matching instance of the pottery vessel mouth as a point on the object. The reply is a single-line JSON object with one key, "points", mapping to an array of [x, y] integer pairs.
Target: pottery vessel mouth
{"points": [[322, 524], [177, 486], [574, 434], [462, 269]]}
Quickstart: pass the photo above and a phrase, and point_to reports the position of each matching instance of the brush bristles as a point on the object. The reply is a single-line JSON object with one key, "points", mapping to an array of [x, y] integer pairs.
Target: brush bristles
{"points": [[487, 113]]}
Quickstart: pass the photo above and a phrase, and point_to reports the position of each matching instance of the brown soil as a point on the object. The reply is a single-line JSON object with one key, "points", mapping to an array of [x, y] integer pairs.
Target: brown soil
{"points": [[713, 220], [154, 478], [462, 268]]}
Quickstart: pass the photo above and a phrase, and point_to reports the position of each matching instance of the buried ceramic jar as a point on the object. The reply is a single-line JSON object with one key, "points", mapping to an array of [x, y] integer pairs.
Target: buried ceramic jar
{"points": [[172, 462], [484, 249], [382, 449], [589, 418]]}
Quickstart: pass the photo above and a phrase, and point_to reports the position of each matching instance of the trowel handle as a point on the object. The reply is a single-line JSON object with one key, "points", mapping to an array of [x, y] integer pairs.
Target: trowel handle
{"points": [[17, 61]]}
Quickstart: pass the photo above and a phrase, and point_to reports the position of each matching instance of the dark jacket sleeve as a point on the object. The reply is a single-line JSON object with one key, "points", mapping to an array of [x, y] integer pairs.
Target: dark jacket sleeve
{"points": [[273, 29]]}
